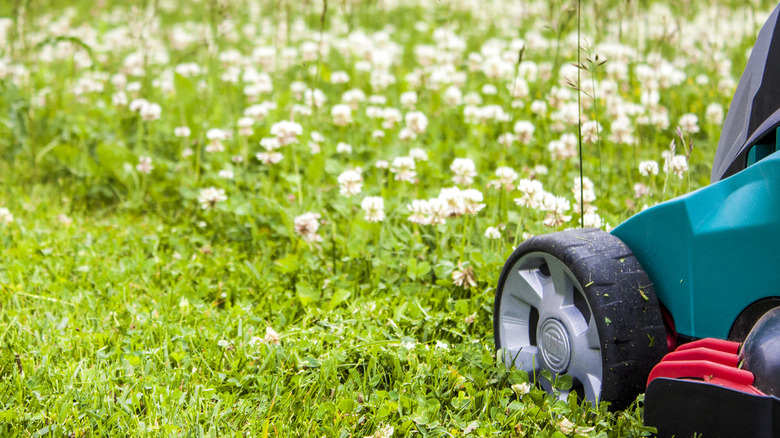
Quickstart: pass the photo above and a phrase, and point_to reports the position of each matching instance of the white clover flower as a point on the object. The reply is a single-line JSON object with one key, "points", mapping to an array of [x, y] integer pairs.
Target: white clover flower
{"points": [[622, 131], [339, 77], [689, 123], [286, 131], [647, 168], [350, 182], [344, 148], [677, 164], [472, 99], [659, 117], [464, 277], [489, 90], [144, 165], [270, 143], [453, 200], [519, 89], [506, 139], [555, 206], [223, 343], [554, 203], [714, 114], [492, 233], [406, 134], [495, 67], [269, 157], [408, 99], [187, 152], [215, 146], [5, 216], [474, 61], [416, 121], [524, 130], [258, 112], [418, 154], [383, 431], [118, 99], [209, 197], [420, 211], [216, 136], [374, 207], [382, 164], [438, 210], [506, 178], [585, 188], [297, 88], [568, 427], [187, 69], [245, 126], [403, 168], [119, 81], [271, 337], [137, 104], [564, 148], [182, 131], [342, 114], [150, 111], [472, 201], [539, 107], [533, 193], [314, 97], [591, 130], [391, 116], [521, 388], [377, 99], [640, 190], [226, 174], [353, 98], [452, 96], [378, 133], [306, 226], [592, 219], [464, 170]]}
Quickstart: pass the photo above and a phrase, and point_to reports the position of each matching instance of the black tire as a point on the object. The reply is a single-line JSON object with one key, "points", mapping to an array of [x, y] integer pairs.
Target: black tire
{"points": [[593, 280], [760, 353]]}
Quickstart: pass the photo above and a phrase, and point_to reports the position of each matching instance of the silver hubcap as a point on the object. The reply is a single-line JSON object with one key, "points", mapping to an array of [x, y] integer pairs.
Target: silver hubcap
{"points": [[556, 350], [546, 323]]}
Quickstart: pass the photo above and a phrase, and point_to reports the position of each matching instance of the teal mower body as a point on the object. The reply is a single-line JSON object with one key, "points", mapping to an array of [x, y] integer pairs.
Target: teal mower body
{"points": [[715, 252]]}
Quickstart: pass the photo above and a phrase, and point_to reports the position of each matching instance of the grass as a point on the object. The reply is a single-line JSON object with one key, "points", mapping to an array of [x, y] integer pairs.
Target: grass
{"points": [[127, 309], [106, 332]]}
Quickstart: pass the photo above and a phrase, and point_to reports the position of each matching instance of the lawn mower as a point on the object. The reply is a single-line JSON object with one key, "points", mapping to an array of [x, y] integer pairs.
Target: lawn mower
{"points": [[688, 279]]}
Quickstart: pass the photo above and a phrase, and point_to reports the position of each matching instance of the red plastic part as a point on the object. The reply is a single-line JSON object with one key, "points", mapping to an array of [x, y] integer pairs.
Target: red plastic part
{"points": [[701, 353], [711, 360], [712, 343], [671, 332]]}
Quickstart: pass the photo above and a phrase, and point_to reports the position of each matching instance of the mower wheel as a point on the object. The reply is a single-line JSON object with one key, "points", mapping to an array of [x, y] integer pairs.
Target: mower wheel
{"points": [[760, 353], [578, 303]]}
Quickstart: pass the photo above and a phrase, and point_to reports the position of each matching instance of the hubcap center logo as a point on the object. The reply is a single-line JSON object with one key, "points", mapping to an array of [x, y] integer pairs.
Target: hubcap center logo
{"points": [[556, 350]]}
